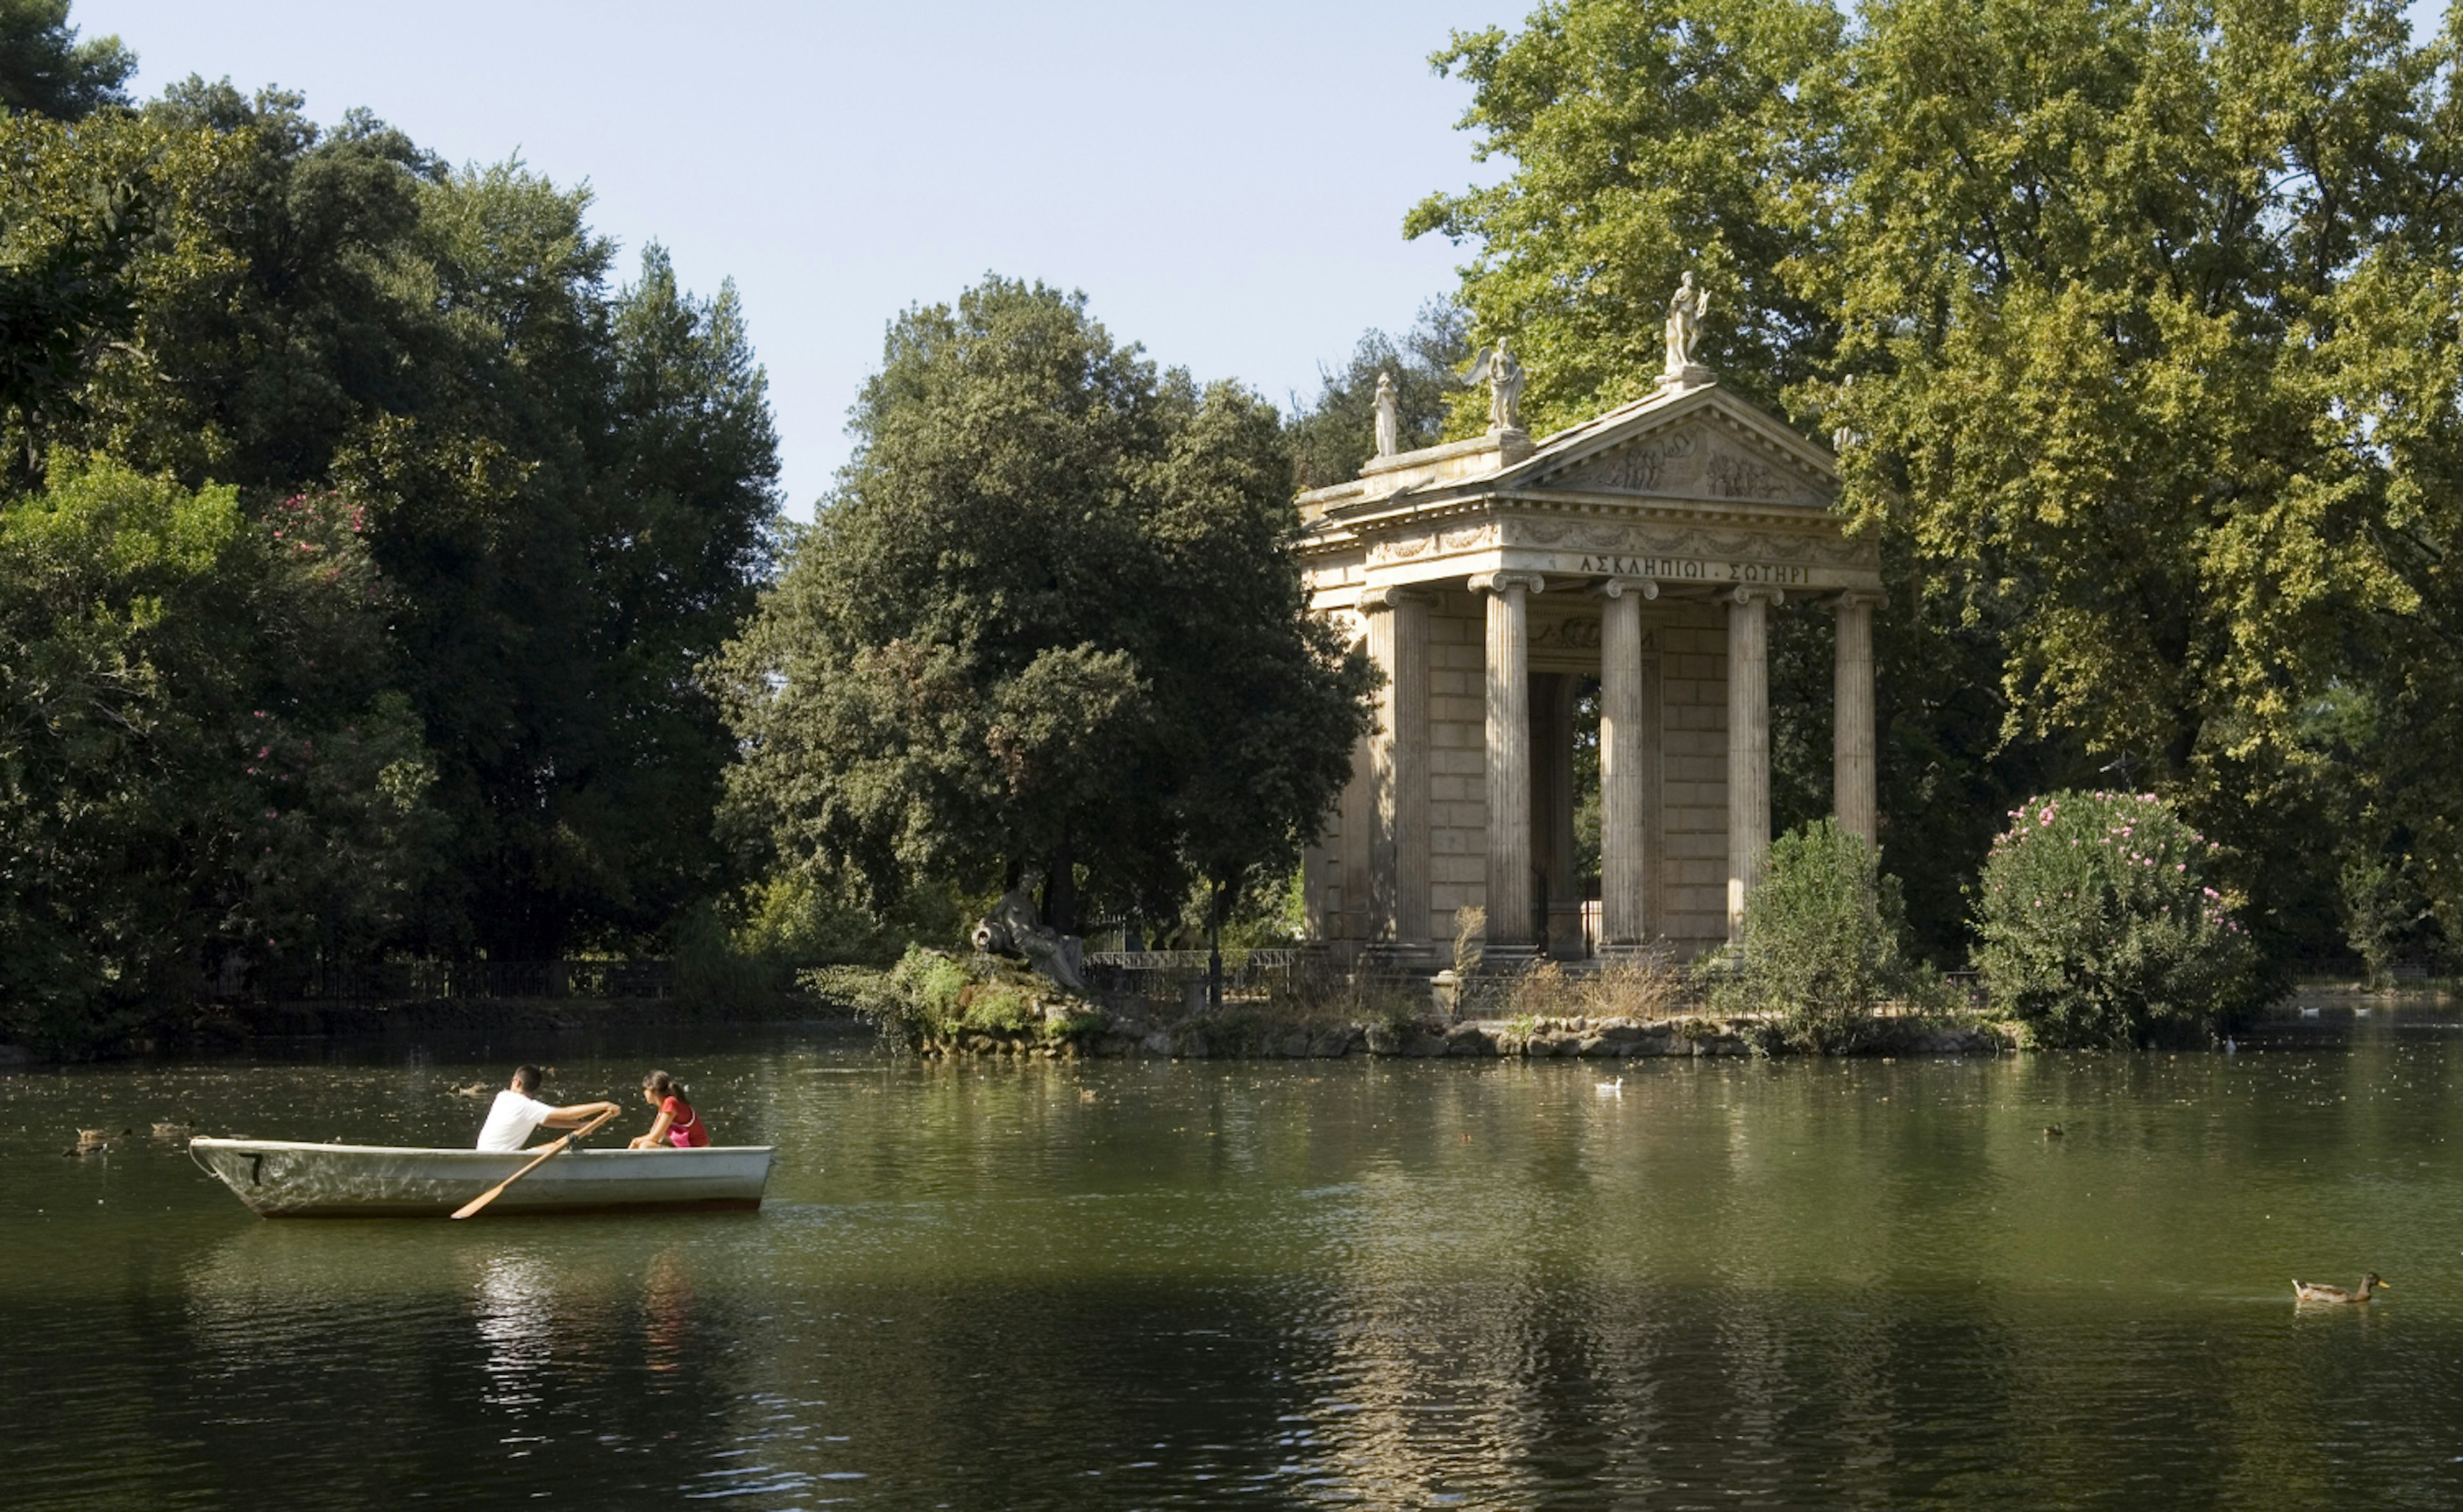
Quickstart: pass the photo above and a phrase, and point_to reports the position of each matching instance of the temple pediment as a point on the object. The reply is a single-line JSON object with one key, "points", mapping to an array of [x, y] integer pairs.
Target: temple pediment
{"points": [[1700, 446]]}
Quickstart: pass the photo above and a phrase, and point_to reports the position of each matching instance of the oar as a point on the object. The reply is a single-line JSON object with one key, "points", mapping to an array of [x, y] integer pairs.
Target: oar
{"points": [[498, 1190]]}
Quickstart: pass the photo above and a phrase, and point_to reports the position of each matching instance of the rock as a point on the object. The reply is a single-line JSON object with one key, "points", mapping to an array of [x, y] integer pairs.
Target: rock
{"points": [[1468, 1039], [1158, 1043], [1381, 1039], [1426, 1044], [1295, 1045], [1331, 1045]]}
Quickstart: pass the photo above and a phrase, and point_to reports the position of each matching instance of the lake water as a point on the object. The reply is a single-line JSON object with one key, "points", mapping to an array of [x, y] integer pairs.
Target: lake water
{"points": [[1335, 1284]]}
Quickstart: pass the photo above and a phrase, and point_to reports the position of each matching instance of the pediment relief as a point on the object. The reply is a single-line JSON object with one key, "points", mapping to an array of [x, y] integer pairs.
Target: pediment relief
{"points": [[1694, 460]]}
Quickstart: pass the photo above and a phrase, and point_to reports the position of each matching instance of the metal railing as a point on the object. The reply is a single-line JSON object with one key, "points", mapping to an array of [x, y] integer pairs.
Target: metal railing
{"points": [[1166, 975]]}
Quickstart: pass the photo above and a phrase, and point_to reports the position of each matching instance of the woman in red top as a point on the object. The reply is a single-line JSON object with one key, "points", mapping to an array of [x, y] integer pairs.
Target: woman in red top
{"points": [[677, 1124]]}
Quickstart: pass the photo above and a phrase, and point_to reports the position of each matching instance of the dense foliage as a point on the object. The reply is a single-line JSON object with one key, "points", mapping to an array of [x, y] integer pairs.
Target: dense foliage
{"points": [[220, 321], [200, 763], [2140, 322], [1048, 623], [2101, 924], [1820, 945]]}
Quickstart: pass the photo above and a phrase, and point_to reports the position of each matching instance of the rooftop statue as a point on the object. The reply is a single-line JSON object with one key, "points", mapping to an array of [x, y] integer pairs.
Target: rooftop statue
{"points": [[1684, 312], [1504, 377], [1390, 416]]}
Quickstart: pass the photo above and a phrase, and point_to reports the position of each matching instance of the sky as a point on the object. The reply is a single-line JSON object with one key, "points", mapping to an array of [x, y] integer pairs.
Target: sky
{"points": [[1225, 183]]}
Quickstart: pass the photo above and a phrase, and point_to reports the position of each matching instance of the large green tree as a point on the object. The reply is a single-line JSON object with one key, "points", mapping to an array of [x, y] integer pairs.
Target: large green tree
{"points": [[571, 486], [1048, 623], [202, 773]]}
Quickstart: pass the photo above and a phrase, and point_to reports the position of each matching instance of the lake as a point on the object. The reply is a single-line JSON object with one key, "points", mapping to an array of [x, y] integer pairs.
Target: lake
{"points": [[1117, 1284]]}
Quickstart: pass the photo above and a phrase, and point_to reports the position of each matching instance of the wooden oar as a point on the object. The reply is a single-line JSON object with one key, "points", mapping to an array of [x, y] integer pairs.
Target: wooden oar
{"points": [[498, 1190]]}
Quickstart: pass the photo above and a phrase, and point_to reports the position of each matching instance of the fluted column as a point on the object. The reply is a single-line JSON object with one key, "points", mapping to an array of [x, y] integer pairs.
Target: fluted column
{"points": [[1509, 756], [1354, 841], [1749, 815], [1851, 723], [1625, 796], [1398, 640]]}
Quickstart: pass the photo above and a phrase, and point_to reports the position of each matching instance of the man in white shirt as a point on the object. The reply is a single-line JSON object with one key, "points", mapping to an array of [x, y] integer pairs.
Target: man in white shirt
{"points": [[516, 1113]]}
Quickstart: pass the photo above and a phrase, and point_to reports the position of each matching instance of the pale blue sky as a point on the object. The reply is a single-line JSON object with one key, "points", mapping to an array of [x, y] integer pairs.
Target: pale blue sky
{"points": [[1226, 183]]}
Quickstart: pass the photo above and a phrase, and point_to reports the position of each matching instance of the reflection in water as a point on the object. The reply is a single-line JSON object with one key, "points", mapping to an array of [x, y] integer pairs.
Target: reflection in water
{"points": [[666, 1312], [1316, 1285], [515, 1328]]}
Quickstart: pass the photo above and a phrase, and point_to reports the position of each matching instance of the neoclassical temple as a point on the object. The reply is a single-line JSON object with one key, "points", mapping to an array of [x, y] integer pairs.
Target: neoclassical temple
{"points": [[1645, 548]]}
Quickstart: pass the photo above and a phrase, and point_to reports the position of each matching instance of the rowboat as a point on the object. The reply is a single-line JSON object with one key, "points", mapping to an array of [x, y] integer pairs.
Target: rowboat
{"points": [[280, 1178]]}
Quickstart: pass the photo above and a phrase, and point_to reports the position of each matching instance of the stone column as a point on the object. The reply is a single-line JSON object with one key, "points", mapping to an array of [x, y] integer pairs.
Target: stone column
{"points": [[1749, 816], [1851, 722], [1398, 640], [1624, 795], [1353, 840], [1509, 757], [1353, 844]]}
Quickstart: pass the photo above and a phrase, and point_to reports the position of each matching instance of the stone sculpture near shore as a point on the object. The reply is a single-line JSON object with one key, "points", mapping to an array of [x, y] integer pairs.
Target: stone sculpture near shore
{"points": [[1013, 928]]}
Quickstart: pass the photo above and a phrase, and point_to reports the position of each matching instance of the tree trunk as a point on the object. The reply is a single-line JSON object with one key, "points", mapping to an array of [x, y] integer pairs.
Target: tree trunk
{"points": [[1215, 946]]}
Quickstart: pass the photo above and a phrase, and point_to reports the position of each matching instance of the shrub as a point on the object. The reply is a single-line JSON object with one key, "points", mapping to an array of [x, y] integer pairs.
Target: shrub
{"points": [[1820, 947], [1647, 985], [2099, 924]]}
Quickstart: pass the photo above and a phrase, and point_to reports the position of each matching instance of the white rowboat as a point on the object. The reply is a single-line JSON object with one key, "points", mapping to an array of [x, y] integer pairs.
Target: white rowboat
{"points": [[280, 1178]]}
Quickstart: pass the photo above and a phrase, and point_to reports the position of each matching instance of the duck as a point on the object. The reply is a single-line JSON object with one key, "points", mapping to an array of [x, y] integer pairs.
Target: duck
{"points": [[91, 1141], [474, 1089], [2052, 1131], [1614, 1088], [168, 1131], [2314, 1291]]}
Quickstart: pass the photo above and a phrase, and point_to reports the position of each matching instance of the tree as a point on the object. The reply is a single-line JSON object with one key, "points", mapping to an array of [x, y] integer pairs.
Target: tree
{"points": [[2150, 313], [202, 773], [46, 71], [1650, 138], [572, 487], [1050, 621]]}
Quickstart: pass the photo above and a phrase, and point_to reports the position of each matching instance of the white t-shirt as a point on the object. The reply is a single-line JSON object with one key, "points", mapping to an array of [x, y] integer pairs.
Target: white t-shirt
{"points": [[512, 1119]]}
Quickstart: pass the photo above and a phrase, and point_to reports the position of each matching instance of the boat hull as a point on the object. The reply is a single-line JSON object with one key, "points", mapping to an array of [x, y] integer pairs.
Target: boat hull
{"points": [[281, 1178]]}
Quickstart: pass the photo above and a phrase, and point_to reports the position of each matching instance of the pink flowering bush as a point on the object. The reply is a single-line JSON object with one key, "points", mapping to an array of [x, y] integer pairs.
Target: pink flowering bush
{"points": [[2102, 924]]}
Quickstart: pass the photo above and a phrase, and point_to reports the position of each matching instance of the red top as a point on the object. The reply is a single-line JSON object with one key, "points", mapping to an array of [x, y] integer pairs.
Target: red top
{"points": [[685, 1129]]}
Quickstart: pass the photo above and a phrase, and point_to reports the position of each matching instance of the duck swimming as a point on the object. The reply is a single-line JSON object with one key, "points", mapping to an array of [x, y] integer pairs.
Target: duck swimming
{"points": [[2313, 1291]]}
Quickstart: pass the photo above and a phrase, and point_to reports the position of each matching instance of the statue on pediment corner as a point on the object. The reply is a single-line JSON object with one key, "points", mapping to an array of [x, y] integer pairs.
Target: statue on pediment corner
{"points": [[1390, 416], [1504, 376]]}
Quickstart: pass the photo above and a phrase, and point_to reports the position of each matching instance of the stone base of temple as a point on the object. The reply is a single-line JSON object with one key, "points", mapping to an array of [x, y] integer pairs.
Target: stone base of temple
{"points": [[1388, 957], [1504, 961]]}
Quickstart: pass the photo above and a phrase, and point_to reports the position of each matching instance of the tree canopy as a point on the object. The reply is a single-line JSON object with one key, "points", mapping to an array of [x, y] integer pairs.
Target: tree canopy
{"points": [[561, 496], [44, 69], [1049, 621]]}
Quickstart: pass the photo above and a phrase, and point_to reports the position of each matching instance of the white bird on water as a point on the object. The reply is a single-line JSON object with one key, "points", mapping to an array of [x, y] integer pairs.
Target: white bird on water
{"points": [[1614, 1088]]}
